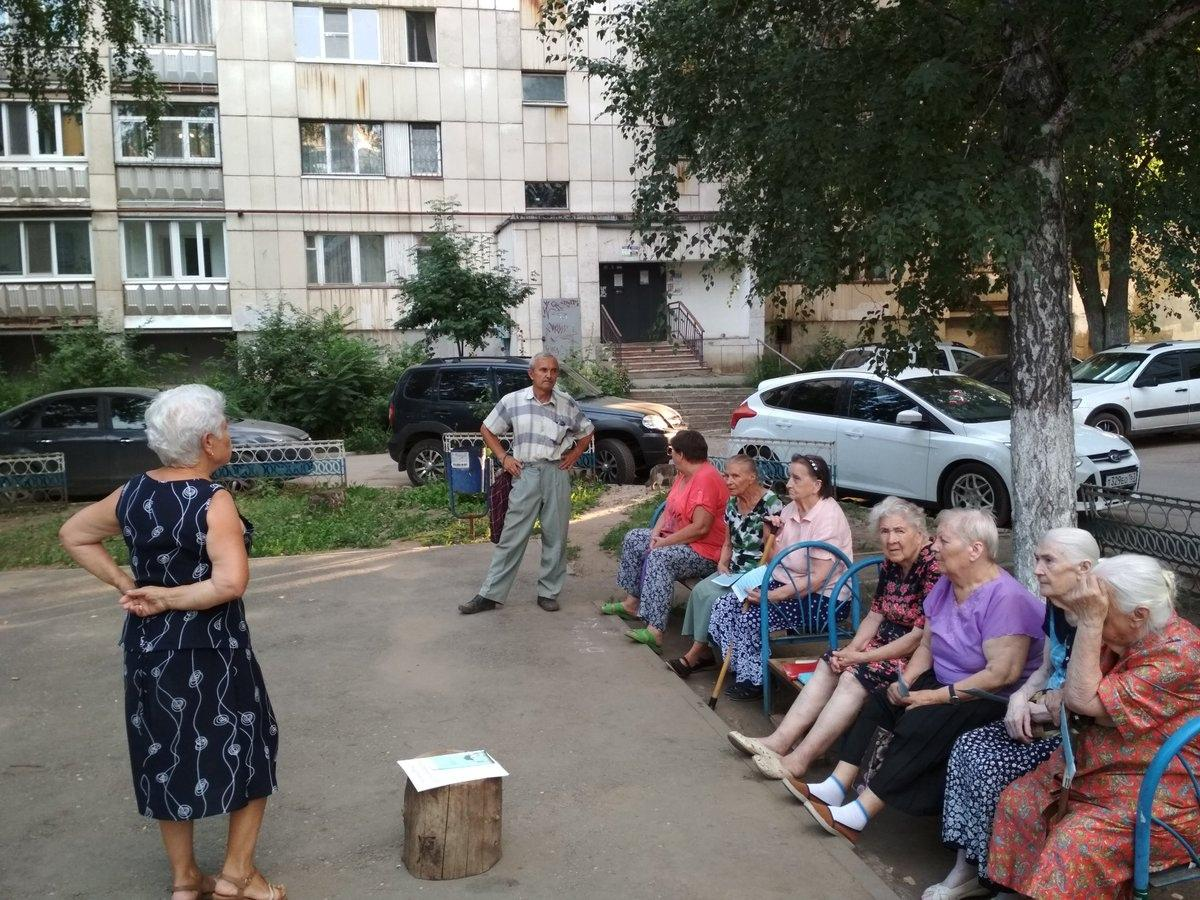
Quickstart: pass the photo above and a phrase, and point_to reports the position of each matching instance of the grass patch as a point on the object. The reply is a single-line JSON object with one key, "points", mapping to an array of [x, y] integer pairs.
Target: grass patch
{"points": [[636, 517], [289, 520]]}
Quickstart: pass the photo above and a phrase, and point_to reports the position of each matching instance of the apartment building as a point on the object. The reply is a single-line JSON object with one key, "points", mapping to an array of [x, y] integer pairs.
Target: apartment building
{"points": [[302, 148]]}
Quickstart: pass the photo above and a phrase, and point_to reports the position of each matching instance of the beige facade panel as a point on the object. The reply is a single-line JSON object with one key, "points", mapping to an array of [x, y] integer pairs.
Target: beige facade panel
{"points": [[44, 184], [47, 300], [200, 185], [177, 299]]}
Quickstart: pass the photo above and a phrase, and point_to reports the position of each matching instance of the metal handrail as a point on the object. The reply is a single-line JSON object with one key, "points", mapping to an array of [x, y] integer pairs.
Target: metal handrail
{"points": [[780, 355], [685, 328], [609, 332]]}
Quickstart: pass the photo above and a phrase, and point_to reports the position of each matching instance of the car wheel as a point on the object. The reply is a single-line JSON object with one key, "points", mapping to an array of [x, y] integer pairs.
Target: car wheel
{"points": [[614, 462], [1109, 421], [975, 486], [425, 462]]}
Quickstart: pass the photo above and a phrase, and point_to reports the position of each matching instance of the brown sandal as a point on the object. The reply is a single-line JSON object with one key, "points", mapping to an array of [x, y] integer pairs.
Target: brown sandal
{"points": [[201, 891], [278, 891]]}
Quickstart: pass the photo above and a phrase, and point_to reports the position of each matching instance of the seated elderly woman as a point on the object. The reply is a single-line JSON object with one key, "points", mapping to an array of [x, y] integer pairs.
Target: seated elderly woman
{"points": [[985, 760], [799, 597], [745, 539], [1134, 674], [982, 634], [886, 638], [685, 542]]}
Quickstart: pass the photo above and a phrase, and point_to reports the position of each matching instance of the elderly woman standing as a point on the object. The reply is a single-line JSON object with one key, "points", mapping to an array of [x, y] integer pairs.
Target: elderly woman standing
{"points": [[800, 598], [202, 735], [1134, 674], [887, 637], [749, 506], [685, 542], [982, 634], [985, 760]]}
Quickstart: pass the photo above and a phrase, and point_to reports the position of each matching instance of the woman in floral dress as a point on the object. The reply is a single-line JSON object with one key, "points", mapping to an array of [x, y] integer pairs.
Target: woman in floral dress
{"points": [[888, 635], [1135, 674]]}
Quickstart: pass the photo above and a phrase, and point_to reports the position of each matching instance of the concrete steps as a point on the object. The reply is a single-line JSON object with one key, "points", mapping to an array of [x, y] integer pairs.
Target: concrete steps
{"points": [[705, 409], [658, 358]]}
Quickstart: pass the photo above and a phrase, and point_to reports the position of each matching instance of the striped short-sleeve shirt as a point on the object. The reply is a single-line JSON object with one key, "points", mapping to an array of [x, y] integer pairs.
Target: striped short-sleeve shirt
{"points": [[540, 431]]}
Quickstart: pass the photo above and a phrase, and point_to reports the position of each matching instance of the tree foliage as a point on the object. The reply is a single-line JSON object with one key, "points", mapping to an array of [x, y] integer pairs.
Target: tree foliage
{"points": [[460, 290], [53, 47]]}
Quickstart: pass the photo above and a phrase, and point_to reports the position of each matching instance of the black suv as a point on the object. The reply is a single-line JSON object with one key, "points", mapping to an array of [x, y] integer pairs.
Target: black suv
{"points": [[442, 395]]}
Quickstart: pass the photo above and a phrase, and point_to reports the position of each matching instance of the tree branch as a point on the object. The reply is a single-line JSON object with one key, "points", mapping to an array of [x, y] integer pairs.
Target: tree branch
{"points": [[1175, 16]]}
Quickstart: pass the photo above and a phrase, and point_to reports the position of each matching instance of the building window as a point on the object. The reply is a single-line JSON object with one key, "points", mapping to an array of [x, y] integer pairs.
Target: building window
{"points": [[542, 88], [422, 36], [341, 148], [336, 32], [45, 248], [425, 148], [345, 258], [183, 21], [186, 133], [163, 249], [545, 195], [26, 132]]}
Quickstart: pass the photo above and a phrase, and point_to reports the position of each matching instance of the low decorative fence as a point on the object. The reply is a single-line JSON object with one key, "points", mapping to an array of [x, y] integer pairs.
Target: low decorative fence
{"points": [[1167, 528], [317, 462], [33, 478], [772, 455]]}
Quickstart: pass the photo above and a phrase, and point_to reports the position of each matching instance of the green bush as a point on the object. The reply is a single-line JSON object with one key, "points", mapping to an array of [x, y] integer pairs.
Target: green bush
{"points": [[597, 367], [823, 352], [768, 365], [306, 370]]}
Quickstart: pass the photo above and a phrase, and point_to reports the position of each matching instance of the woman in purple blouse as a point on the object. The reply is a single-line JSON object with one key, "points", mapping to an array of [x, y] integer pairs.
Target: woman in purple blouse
{"points": [[982, 638]]}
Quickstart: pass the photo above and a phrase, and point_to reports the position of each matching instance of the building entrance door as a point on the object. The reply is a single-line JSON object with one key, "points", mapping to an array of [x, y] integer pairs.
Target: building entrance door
{"points": [[635, 296]]}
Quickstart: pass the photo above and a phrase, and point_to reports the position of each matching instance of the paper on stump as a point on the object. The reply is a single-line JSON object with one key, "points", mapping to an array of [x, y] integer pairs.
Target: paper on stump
{"points": [[749, 581], [426, 772]]}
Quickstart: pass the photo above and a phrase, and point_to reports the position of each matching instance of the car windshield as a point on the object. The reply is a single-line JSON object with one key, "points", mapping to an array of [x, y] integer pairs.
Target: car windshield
{"points": [[1107, 368], [573, 382], [854, 357], [960, 398]]}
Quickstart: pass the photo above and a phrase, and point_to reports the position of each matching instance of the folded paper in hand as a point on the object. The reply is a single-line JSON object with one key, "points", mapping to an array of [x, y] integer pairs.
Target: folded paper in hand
{"points": [[749, 581], [426, 772]]}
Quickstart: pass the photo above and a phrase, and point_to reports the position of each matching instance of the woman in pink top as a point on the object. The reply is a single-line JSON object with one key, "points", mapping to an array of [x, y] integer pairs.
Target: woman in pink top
{"points": [[798, 597], [686, 541]]}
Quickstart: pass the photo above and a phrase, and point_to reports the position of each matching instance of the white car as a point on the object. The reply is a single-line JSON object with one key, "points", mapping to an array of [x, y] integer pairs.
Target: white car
{"points": [[1136, 388], [938, 439], [950, 357]]}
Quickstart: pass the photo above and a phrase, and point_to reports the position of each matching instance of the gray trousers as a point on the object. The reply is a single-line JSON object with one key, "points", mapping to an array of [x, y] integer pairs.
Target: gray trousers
{"points": [[699, 608], [542, 491]]}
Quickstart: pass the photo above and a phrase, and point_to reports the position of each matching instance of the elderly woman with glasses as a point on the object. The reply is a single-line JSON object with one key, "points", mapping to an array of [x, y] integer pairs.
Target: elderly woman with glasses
{"points": [[1133, 678], [750, 505], [202, 734], [887, 637], [799, 597], [686, 541], [982, 635]]}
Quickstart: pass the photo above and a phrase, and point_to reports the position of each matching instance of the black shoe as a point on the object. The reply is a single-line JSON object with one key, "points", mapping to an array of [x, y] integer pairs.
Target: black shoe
{"points": [[477, 604], [549, 604], [744, 690]]}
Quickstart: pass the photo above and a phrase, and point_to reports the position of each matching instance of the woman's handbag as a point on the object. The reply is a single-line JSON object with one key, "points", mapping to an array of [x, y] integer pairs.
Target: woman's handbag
{"points": [[498, 504]]}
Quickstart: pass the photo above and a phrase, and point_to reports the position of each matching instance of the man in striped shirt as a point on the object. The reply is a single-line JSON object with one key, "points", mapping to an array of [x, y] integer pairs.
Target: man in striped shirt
{"points": [[550, 433]]}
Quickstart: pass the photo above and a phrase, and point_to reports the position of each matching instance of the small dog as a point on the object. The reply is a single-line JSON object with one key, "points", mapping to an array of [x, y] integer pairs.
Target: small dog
{"points": [[661, 477]]}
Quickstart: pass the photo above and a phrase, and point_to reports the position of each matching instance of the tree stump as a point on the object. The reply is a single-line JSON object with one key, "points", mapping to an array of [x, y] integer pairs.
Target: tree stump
{"points": [[454, 831]]}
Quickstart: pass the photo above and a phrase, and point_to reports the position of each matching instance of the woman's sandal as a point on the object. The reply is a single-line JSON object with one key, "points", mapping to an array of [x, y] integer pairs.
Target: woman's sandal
{"points": [[644, 636], [618, 609], [198, 889], [684, 669], [278, 891]]}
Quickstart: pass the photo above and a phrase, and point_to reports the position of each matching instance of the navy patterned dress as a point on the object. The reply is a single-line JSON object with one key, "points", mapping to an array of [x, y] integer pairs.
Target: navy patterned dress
{"points": [[202, 736]]}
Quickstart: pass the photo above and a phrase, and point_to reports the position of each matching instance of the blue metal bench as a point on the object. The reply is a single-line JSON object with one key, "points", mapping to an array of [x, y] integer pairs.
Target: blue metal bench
{"points": [[1167, 753]]}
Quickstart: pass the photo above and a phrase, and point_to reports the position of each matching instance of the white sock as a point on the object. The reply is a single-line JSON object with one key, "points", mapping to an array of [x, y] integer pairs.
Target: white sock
{"points": [[829, 791], [852, 815]]}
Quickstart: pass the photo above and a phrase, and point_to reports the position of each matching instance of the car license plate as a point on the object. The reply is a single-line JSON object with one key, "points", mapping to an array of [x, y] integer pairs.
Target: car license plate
{"points": [[1121, 479]]}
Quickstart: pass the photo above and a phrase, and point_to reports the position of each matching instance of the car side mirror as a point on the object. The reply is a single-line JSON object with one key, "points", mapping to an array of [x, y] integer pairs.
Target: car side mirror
{"points": [[910, 417]]}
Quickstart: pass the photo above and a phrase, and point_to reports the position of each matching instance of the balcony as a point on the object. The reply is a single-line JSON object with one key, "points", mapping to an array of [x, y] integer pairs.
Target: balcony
{"points": [[27, 304], [190, 66], [54, 184], [177, 305], [151, 185]]}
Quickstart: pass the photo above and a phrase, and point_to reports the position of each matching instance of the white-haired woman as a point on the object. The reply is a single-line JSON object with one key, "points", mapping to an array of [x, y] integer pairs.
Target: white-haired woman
{"points": [[986, 760], [982, 636], [887, 637], [202, 736], [1134, 678]]}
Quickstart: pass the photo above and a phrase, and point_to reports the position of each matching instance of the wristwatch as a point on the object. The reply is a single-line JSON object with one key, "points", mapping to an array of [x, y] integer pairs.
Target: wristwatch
{"points": [[954, 698]]}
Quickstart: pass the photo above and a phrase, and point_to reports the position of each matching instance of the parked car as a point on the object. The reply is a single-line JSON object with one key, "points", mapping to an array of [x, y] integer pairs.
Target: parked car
{"points": [[995, 371], [445, 395], [939, 439], [949, 357], [1139, 388], [102, 434]]}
